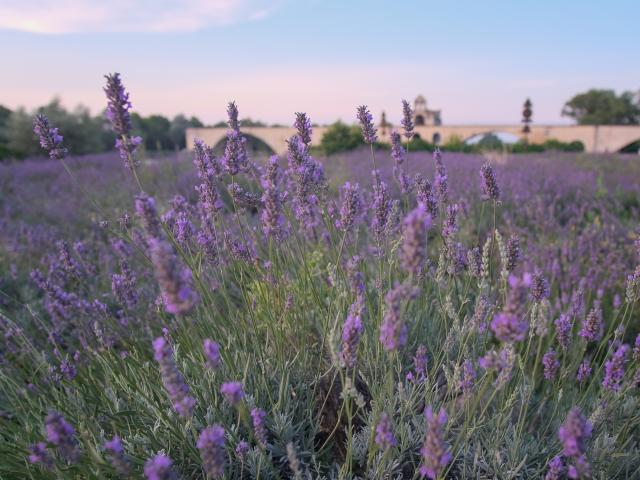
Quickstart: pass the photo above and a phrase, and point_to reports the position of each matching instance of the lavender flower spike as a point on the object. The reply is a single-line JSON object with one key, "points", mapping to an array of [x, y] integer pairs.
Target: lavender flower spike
{"points": [[211, 446], [407, 120], [259, 428], [303, 125], [38, 454], [592, 327], [435, 451], [393, 331], [509, 327], [366, 122], [116, 456], [351, 208], [118, 106], [399, 154], [232, 114], [232, 392], [574, 434], [413, 255], [174, 278], [384, 433], [351, 332], [159, 468], [490, 188], [62, 435], [273, 222], [556, 469], [212, 353], [172, 379], [614, 369], [551, 364], [50, 138]]}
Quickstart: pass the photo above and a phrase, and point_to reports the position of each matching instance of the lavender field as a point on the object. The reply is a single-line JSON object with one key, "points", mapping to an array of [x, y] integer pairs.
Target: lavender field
{"points": [[373, 314]]}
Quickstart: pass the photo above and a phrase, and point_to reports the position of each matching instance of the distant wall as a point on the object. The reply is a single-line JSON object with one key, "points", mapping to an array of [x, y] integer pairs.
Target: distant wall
{"points": [[596, 138]]}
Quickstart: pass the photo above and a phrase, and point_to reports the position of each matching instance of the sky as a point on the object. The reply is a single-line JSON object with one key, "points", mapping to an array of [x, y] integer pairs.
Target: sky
{"points": [[477, 61]]}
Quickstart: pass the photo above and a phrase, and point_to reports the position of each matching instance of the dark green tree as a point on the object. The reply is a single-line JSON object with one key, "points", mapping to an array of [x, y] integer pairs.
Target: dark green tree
{"points": [[603, 107], [527, 113], [340, 137], [178, 128]]}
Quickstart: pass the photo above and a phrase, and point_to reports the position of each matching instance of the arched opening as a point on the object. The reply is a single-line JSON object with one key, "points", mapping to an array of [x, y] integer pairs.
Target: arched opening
{"points": [[419, 121], [255, 146], [633, 147], [492, 140], [436, 138]]}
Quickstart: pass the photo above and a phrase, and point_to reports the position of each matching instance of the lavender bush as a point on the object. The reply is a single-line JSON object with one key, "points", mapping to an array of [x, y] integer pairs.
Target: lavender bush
{"points": [[454, 317]]}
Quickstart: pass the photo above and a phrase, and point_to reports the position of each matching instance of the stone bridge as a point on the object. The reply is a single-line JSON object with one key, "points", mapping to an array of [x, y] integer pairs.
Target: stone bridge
{"points": [[596, 138]]}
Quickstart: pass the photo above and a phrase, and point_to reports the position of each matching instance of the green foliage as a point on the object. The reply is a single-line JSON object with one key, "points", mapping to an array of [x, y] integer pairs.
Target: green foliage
{"points": [[603, 107], [84, 133], [340, 137], [5, 113]]}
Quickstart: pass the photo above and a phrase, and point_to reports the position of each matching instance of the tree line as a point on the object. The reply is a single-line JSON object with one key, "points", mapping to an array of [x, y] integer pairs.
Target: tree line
{"points": [[85, 133]]}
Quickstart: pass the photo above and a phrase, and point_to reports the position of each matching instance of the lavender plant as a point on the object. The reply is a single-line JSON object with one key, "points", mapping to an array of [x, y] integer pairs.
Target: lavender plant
{"points": [[270, 318]]}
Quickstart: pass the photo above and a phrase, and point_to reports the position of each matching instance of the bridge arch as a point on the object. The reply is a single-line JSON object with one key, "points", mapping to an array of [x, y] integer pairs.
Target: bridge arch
{"points": [[632, 147], [254, 145], [504, 137]]}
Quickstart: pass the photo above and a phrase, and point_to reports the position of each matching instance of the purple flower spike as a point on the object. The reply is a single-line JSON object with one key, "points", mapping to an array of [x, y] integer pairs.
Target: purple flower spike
{"points": [[592, 327], [174, 278], [393, 331], [118, 106], [563, 331], [425, 195], [232, 392], [468, 377], [435, 451], [584, 370], [259, 428], [413, 255], [38, 454], [211, 446], [509, 327], [551, 364], [241, 449], [399, 154], [351, 208], [172, 379], [574, 433], [636, 349], [116, 456], [212, 353], [366, 122], [50, 138], [272, 216], [303, 125], [384, 433], [614, 369], [232, 114], [62, 436], [351, 332], [407, 120], [490, 189], [159, 468], [556, 469]]}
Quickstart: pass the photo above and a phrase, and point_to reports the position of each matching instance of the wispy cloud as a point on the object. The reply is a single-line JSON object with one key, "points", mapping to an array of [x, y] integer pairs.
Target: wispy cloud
{"points": [[71, 16]]}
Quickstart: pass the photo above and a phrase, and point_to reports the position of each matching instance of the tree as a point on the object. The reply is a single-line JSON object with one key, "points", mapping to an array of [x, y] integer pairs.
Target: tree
{"points": [[603, 107], [527, 113], [340, 137], [5, 113], [179, 125]]}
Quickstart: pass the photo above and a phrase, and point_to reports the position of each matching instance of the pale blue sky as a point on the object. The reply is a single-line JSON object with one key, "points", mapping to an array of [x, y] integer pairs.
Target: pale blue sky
{"points": [[475, 60]]}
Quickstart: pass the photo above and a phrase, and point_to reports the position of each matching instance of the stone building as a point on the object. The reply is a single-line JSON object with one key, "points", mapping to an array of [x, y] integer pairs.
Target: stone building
{"points": [[422, 116]]}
